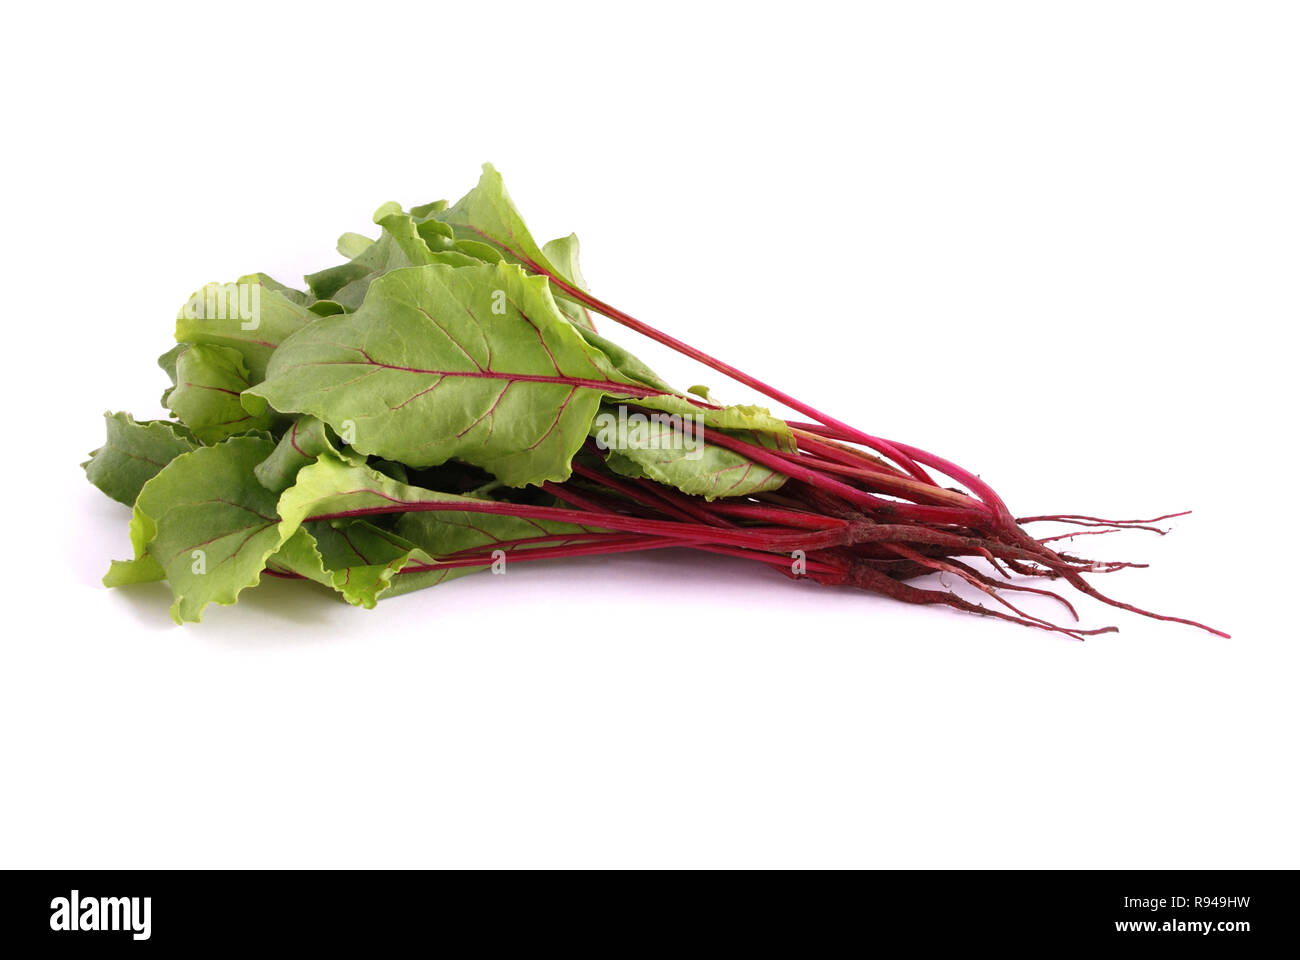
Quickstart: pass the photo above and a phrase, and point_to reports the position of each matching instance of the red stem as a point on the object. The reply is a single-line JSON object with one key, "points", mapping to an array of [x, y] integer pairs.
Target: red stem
{"points": [[763, 538], [892, 508], [618, 316], [627, 545]]}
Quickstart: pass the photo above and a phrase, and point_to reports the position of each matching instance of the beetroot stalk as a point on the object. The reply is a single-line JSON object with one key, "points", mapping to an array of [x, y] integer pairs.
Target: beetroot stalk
{"points": [[618, 316], [774, 539]]}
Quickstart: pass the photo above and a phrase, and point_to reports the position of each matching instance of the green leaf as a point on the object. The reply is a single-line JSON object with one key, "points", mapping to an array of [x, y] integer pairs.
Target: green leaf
{"points": [[405, 232], [352, 245], [331, 486], [275, 286], [133, 453], [253, 316], [209, 380], [393, 469], [717, 473], [425, 210], [625, 362], [563, 254], [123, 573], [487, 215], [488, 225], [737, 416], [208, 524], [168, 363], [474, 362], [484, 227], [326, 308], [298, 554], [400, 245], [363, 560], [301, 444], [357, 559], [658, 438], [169, 360]]}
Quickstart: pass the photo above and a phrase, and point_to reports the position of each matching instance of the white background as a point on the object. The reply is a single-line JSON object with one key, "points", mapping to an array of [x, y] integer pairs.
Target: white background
{"points": [[1055, 243]]}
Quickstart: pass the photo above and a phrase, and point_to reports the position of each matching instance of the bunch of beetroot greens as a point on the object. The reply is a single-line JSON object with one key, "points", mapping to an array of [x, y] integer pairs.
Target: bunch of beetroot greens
{"points": [[442, 403]]}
